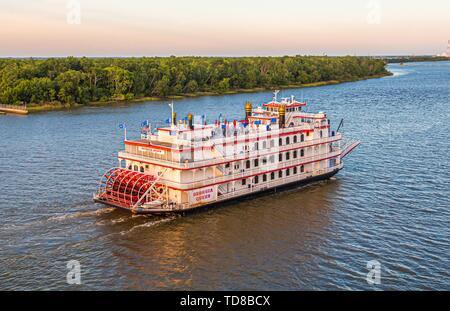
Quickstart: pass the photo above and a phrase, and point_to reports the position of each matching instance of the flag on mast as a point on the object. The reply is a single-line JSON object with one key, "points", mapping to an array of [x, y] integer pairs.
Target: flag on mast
{"points": [[124, 127]]}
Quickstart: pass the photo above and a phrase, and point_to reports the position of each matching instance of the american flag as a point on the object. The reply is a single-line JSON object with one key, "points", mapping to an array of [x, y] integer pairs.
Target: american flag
{"points": [[145, 127]]}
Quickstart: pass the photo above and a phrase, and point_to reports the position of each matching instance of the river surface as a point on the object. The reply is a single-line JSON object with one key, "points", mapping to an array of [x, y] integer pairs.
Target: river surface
{"points": [[391, 203]]}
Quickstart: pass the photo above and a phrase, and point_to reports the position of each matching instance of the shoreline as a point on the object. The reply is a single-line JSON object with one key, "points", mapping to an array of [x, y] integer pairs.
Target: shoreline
{"points": [[46, 107]]}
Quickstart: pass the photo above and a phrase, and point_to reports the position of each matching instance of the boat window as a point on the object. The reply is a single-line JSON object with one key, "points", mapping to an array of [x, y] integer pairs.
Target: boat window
{"points": [[321, 134], [142, 169], [136, 168], [280, 174], [256, 146], [256, 162], [280, 157], [295, 139], [272, 175], [264, 177], [288, 172], [130, 167], [264, 144], [302, 152], [288, 156], [272, 143], [256, 179], [302, 138], [295, 170], [244, 181], [280, 142], [295, 154], [247, 164], [288, 140], [302, 169]]}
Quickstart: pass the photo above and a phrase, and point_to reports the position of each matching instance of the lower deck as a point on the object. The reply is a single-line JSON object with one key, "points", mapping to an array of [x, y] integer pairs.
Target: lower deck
{"points": [[252, 190]]}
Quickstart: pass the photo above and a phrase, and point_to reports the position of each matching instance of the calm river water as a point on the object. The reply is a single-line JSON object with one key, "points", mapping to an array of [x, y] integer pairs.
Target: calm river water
{"points": [[391, 203]]}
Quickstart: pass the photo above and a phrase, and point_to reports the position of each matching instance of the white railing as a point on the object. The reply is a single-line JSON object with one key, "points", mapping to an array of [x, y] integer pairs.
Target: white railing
{"points": [[243, 133], [263, 186], [278, 182], [248, 173], [231, 158]]}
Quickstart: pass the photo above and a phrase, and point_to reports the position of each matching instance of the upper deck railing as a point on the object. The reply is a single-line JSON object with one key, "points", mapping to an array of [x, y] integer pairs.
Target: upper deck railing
{"points": [[222, 159], [231, 134]]}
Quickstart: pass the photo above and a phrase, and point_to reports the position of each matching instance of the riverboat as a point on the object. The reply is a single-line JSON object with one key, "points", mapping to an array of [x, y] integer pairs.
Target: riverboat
{"points": [[192, 163]]}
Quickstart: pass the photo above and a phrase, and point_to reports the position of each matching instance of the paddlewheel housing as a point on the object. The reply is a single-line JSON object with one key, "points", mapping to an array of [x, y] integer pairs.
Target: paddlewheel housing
{"points": [[129, 189]]}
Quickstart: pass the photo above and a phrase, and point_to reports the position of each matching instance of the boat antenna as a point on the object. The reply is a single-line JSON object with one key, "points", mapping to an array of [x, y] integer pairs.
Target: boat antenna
{"points": [[171, 105], [340, 125]]}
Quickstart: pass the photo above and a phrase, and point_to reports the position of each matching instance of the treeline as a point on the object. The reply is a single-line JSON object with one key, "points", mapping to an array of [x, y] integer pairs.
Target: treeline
{"points": [[81, 80]]}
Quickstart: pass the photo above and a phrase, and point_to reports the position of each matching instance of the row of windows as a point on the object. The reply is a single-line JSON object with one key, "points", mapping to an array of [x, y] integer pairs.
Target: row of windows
{"points": [[287, 157], [286, 141], [279, 174], [137, 168], [293, 109]]}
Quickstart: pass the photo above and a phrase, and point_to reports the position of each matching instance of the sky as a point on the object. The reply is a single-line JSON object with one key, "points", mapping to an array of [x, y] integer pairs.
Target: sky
{"points": [[43, 28]]}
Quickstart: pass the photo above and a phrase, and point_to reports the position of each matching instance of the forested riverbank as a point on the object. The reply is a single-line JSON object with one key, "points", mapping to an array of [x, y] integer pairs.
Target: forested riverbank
{"points": [[414, 59], [66, 82]]}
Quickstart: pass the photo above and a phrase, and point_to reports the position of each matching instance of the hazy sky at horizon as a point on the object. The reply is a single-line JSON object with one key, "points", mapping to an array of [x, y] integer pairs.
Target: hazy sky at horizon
{"points": [[229, 28]]}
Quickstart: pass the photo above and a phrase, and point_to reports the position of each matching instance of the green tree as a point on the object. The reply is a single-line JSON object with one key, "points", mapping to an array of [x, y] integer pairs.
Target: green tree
{"points": [[71, 87], [81, 80], [120, 81], [224, 85]]}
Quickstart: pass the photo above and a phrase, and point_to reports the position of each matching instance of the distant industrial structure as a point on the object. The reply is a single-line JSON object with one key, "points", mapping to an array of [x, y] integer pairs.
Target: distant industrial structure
{"points": [[446, 54], [448, 49]]}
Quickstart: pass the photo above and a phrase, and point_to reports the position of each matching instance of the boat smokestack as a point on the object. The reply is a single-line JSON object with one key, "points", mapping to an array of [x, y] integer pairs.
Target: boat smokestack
{"points": [[191, 126], [282, 116], [248, 110], [174, 118]]}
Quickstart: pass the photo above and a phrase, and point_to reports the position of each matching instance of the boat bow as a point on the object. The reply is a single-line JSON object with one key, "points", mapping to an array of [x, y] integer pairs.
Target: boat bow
{"points": [[349, 148]]}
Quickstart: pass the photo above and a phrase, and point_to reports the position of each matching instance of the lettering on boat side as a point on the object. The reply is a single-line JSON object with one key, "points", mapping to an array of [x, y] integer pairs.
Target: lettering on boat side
{"points": [[203, 195], [227, 300], [152, 150]]}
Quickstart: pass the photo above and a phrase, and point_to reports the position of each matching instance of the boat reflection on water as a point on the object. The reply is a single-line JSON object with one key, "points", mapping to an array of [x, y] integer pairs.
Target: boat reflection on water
{"points": [[205, 250]]}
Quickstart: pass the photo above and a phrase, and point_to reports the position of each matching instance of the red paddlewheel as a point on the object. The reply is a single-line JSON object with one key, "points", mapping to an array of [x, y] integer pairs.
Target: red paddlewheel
{"points": [[124, 188]]}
